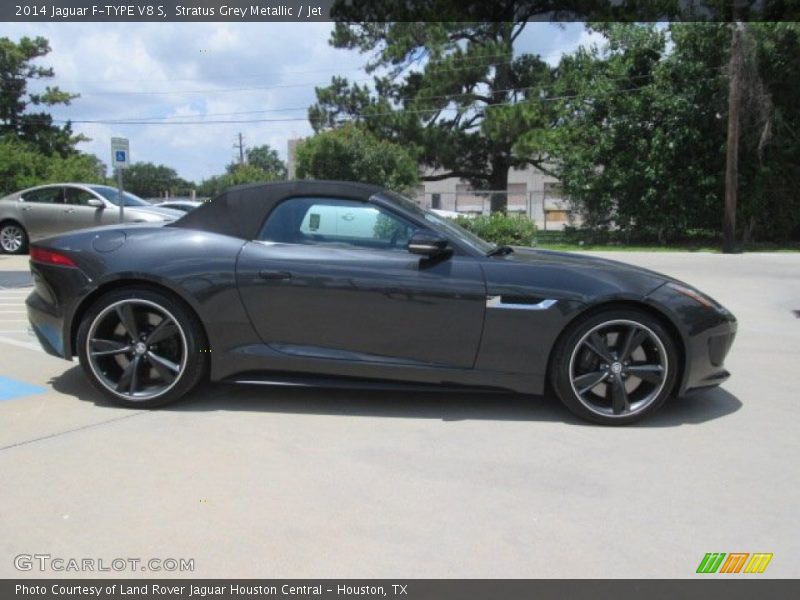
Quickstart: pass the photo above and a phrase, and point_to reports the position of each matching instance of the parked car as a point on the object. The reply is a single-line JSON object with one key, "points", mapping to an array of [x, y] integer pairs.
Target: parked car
{"points": [[51, 209], [451, 214], [182, 205], [262, 286]]}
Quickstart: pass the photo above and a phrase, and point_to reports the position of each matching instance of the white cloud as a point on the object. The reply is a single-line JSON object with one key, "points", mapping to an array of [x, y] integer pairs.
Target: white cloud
{"points": [[283, 60]]}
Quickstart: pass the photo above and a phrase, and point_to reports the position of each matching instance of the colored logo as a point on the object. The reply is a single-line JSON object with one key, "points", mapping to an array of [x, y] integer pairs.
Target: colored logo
{"points": [[735, 562]]}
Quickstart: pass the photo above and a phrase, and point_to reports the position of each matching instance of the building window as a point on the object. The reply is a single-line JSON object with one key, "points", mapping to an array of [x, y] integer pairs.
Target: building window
{"points": [[436, 201], [554, 190], [557, 216], [517, 197]]}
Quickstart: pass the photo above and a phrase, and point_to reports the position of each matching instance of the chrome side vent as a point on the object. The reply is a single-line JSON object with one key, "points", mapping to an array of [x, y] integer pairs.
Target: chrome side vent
{"points": [[519, 302]]}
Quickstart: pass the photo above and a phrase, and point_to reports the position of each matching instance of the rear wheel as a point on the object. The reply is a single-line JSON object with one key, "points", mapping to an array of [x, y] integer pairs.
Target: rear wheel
{"points": [[13, 239], [615, 367], [141, 347]]}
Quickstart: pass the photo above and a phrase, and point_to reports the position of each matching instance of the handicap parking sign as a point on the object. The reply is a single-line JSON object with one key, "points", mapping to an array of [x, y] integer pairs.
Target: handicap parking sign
{"points": [[120, 153]]}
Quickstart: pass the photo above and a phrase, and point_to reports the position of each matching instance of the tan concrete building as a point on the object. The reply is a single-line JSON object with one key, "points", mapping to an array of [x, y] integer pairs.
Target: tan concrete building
{"points": [[530, 192]]}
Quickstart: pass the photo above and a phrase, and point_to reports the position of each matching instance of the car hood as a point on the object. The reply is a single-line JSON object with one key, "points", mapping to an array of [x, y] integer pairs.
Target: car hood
{"points": [[581, 261], [169, 213], [551, 274]]}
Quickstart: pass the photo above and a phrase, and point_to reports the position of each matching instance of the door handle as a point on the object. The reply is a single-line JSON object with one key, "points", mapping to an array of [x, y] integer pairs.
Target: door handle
{"points": [[69, 210], [26, 208], [275, 275]]}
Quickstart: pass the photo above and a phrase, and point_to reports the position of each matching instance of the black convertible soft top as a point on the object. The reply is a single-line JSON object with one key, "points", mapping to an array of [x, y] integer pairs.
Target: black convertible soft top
{"points": [[240, 211]]}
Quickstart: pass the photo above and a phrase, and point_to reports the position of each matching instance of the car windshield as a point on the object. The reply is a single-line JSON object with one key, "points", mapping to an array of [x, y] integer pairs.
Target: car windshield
{"points": [[442, 225], [112, 195]]}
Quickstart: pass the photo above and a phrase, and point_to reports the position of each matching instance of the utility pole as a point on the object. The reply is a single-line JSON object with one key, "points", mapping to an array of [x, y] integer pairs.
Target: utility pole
{"points": [[240, 146], [732, 154]]}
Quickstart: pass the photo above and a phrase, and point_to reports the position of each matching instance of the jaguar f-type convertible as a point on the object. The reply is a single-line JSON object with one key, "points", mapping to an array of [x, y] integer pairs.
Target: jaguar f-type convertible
{"points": [[343, 284]]}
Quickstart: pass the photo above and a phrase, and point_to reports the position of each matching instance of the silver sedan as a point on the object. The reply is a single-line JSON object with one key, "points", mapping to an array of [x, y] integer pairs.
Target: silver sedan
{"points": [[51, 209]]}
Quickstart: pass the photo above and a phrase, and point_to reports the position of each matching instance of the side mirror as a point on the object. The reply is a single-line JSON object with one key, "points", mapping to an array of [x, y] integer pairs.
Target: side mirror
{"points": [[95, 202], [427, 243]]}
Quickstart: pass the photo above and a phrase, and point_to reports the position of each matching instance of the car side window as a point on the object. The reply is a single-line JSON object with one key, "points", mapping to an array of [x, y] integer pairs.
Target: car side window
{"points": [[48, 195], [335, 221], [77, 196]]}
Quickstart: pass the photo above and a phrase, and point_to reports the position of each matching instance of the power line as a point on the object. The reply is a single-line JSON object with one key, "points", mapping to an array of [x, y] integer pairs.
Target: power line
{"points": [[358, 116], [129, 120], [254, 88], [201, 119]]}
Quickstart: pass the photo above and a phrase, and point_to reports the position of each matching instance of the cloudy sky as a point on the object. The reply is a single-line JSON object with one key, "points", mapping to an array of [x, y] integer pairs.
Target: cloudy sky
{"points": [[177, 72]]}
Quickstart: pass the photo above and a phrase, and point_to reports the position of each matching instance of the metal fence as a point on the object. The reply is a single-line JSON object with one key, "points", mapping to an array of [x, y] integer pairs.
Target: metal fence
{"points": [[548, 212]]}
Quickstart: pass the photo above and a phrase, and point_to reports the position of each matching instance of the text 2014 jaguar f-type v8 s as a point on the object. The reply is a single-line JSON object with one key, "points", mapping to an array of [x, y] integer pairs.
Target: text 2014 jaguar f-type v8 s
{"points": [[333, 283]]}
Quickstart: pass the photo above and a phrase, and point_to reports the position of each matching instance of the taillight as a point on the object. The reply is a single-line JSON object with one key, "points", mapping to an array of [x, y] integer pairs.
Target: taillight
{"points": [[48, 257]]}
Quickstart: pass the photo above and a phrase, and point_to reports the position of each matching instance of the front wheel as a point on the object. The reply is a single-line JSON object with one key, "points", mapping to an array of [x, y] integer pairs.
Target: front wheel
{"points": [[615, 367], [141, 347]]}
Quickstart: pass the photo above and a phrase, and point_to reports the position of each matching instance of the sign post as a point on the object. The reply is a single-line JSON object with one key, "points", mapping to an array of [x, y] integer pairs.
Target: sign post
{"points": [[120, 159]]}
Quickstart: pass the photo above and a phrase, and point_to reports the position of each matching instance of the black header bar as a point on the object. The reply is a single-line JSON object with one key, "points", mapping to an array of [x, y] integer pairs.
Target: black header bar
{"points": [[702, 587], [397, 10]]}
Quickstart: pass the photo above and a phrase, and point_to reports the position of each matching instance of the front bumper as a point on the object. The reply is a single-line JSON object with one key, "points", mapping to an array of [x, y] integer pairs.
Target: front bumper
{"points": [[707, 335], [705, 358]]}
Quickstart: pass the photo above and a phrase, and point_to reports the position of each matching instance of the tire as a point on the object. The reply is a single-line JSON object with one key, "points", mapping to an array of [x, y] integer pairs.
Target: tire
{"points": [[141, 347], [13, 238], [599, 378]]}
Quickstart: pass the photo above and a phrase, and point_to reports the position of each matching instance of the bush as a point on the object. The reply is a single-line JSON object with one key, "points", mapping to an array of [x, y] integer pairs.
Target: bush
{"points": [[238, 175], [23, 166], [350, 153], [501, 229]]}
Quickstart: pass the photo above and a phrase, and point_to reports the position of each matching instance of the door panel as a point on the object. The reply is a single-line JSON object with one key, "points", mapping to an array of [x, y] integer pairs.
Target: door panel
{"points": [[43, 211], [363, 304], [79, 215]]}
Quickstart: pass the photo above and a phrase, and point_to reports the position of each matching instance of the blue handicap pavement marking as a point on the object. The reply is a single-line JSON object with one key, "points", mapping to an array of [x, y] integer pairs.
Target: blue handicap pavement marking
{"points": [[11, 389]]}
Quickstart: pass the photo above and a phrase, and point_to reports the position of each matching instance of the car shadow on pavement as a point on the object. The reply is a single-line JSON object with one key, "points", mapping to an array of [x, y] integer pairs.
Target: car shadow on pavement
{"points": [[447, 406]]}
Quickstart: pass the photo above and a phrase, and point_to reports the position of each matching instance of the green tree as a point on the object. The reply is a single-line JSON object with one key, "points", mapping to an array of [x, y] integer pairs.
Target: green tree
{"points": [[84, 168], [452, 92], [638, 143], [18, 67], [641, 132], [351, 153], [150, 181], [266, 159], [237, 175], [769, 171], [22, 166]]}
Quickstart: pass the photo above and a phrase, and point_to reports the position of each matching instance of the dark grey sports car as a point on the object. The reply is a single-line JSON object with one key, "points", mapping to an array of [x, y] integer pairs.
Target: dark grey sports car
{"points": [[343, 284]]}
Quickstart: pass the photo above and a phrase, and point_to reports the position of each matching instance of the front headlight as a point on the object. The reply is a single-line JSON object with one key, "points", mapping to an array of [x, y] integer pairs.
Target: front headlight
{"points": [[693, 294]]}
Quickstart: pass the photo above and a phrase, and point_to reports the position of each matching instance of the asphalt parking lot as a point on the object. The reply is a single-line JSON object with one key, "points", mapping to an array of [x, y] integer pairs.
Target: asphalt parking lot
{"points": [[260, 482]]}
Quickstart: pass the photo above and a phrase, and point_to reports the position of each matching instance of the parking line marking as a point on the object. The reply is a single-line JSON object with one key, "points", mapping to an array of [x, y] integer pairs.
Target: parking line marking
{"points": [[26, 345], [60, 433], [10, 389]]}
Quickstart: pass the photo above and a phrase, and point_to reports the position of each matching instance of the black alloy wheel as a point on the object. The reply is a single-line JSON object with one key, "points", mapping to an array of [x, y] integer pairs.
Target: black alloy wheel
{"points": [[615, 367], [141, 347]]}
